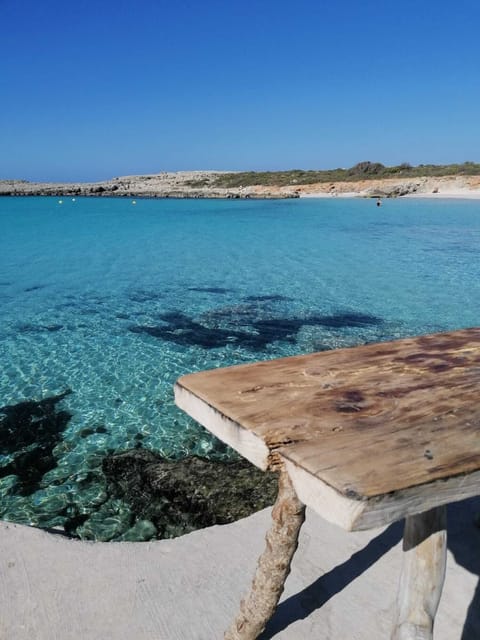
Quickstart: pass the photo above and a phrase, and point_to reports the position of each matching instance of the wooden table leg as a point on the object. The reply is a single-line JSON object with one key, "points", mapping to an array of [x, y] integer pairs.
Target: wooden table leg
{"points": [[273, 567], [423, 574]]}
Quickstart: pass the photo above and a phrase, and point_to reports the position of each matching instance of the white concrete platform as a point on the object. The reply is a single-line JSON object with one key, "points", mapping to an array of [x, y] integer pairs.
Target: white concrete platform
{"points": [[342, 586]]}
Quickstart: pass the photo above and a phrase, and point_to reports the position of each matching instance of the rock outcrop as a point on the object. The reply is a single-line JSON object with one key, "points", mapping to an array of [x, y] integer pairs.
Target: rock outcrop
{"points": [[183, 184], [178, 496], [206, 184]]}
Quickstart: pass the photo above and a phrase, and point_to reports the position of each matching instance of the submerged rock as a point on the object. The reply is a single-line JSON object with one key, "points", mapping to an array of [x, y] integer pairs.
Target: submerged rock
{"points": [[243, 327], [178, 496], [210, 289], [273, 297], [30, 431]]}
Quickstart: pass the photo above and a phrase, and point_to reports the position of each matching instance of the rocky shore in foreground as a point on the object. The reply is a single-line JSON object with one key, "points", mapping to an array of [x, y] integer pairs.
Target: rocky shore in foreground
{"points": [[207, 184], [178, 496]]}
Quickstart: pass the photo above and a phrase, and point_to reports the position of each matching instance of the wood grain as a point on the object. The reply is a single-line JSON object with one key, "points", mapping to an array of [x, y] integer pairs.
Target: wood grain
{"points": [[423, 574], [368, 421]]}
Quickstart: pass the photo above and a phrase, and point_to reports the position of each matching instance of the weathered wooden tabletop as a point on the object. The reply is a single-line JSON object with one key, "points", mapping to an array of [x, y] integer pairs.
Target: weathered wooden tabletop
{"points": [[369, 434]]}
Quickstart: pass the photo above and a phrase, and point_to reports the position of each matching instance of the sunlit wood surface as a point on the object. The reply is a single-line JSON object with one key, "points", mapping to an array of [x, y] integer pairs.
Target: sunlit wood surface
{"points": [[369, 421]]}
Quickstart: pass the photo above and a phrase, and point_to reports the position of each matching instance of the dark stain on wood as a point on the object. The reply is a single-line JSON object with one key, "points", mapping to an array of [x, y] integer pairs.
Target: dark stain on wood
{"points": [[377, 419]]}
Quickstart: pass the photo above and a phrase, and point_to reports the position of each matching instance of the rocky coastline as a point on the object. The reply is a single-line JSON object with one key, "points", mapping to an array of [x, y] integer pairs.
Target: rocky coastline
{"points": [[183, 184], [205, 184]]}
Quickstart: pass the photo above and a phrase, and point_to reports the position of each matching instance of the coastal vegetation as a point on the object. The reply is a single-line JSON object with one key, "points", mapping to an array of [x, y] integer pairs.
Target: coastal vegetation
{"points": [[361, 171]]}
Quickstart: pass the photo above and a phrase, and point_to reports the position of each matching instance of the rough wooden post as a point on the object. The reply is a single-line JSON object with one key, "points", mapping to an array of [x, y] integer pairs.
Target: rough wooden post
{"points": [[423, 574], [273, 567]]}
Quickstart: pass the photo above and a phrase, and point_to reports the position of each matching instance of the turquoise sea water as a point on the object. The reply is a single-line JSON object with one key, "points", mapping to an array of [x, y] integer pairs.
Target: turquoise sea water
{"points": [[114, 301]]}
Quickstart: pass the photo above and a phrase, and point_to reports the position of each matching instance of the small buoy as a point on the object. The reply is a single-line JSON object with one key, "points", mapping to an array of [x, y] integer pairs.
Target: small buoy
{"points": [[134, 202], [73, 199], [60, 202]]}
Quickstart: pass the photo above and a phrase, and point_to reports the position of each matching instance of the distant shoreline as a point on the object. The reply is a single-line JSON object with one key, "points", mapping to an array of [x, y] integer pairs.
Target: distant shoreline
{"points": [[209, 184]]}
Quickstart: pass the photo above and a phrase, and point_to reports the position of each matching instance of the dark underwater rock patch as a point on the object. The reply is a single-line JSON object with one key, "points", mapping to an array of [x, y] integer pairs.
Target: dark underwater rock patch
{"points": [[178, 496], [219, 290], [255, 333], [35, 287], [30, 467], [185, 331], [90, 431], [30, 430], [31, 422], [38, 328], [144, 295], [274, 297]]}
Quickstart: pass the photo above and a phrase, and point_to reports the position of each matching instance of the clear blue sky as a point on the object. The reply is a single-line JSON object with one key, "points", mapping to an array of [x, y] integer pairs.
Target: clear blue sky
{"points": [[96, 89]]}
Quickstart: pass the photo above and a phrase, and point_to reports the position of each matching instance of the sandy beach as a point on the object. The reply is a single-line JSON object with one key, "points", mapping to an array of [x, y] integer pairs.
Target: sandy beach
{"points": [[435, 188]]}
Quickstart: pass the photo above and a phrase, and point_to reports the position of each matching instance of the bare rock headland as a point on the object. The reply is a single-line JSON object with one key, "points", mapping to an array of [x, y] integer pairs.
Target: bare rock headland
{"points": [[366, 179], [181, 184]]}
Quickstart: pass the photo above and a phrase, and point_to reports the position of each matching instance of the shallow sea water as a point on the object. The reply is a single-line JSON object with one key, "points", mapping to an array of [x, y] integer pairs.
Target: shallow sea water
{"points": [[115, 301]]}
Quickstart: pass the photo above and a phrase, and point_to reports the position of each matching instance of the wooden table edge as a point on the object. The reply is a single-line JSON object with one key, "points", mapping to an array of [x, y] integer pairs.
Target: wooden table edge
{"points": [[355, 514], [350, 513], [245, 442]]}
